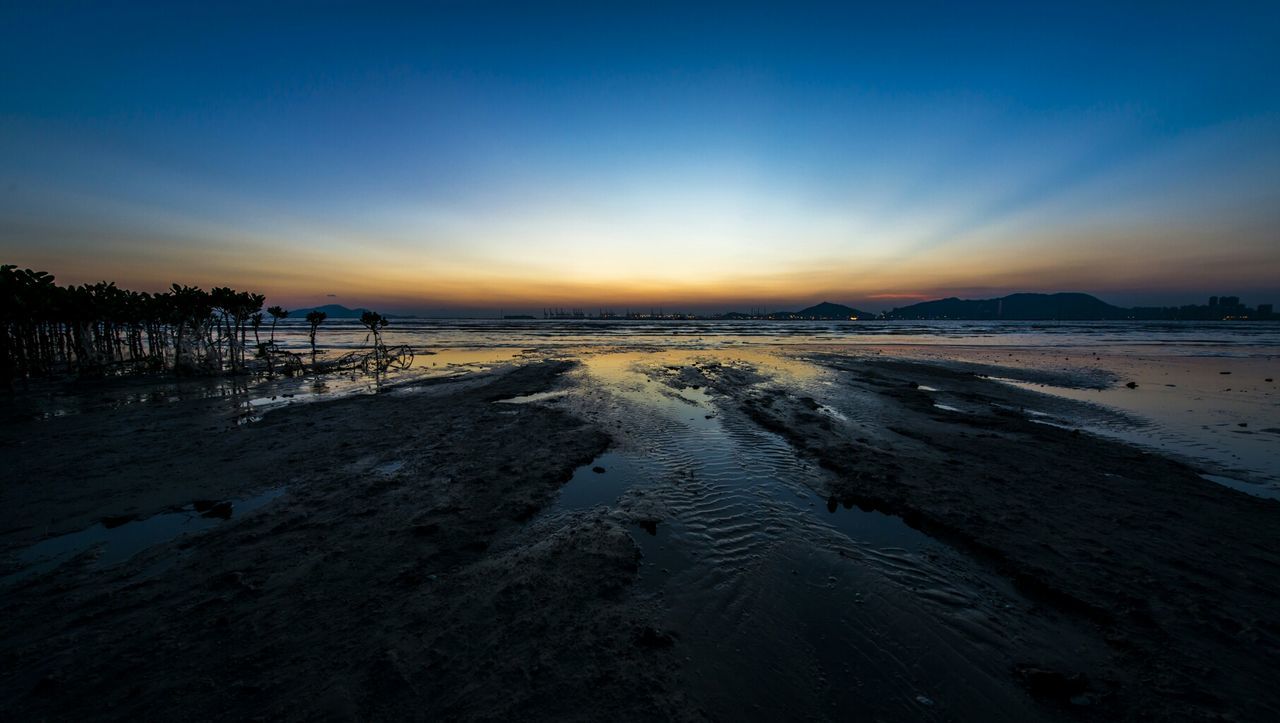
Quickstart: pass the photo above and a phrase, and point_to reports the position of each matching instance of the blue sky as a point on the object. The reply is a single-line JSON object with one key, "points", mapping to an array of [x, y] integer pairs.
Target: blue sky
{"points": [[463, 154]]}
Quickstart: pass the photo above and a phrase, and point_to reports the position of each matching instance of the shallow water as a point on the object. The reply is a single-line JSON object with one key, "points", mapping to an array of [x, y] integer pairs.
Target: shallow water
{"points": [[1220, 412], [1195, 417], [1195, 337], [735, 532], [601, 482], [116, 541], [685, 453], [1178, 407]]}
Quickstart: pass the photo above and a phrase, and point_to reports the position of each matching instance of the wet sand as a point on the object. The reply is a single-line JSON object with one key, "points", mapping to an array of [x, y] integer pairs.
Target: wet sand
{"points": [[649, 534], [1219, 411]]}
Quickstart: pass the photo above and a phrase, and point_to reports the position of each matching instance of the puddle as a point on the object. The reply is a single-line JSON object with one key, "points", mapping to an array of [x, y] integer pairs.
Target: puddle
{"points": [[661, 557], [1053, 423], [120, 539], [875, 528], [538, 397], [590, 488], [602, 483], [833, 413], [387, 469], [1249, 488]]}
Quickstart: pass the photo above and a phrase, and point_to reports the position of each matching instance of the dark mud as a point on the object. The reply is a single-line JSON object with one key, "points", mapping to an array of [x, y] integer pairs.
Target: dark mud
{"points": [[677, 538], [396, 578], [1176, 576]]}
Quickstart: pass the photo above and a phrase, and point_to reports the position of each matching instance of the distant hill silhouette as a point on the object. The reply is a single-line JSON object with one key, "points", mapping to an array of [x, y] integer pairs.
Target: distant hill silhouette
{"points": [[333, 311], [1023, 307], [825, 310]]}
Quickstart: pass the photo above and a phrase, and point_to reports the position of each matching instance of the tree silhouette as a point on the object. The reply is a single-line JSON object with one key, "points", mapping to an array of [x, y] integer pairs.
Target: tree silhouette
{"points": [[256, 321], [277, 313], [314, 318], [375, 323], [100, 329], [97, 329]]}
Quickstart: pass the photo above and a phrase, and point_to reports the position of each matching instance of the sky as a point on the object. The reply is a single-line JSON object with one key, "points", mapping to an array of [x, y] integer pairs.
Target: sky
{"points": [[477, 155]]}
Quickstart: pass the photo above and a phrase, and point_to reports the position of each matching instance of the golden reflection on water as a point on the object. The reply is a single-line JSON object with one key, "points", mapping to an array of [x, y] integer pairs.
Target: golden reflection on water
{"points": [[445, 358], [1220, 410], [617, 365]]}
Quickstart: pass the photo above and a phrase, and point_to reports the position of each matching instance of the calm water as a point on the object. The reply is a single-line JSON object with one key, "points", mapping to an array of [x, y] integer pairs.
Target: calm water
{"points": [[1184, 337], [118, 542]]}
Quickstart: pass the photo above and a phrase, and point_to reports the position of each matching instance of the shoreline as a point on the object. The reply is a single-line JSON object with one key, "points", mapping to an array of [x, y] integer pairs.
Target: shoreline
{"points": [[1127, 558]]}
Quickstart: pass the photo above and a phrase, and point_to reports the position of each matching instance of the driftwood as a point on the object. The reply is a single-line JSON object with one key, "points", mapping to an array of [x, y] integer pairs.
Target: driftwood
{"points": [[378, 359], [280, 360]]}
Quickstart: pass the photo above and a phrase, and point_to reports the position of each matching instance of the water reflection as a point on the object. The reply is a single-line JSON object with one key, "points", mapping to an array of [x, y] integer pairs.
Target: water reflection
{"points": [[1185, 406], [719, 334], [116, 539], [1193, 409], [678, 450]]}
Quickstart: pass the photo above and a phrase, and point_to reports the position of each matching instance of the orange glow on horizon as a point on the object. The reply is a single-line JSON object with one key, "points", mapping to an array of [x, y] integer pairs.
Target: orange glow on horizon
{"points": [[405, 277]]}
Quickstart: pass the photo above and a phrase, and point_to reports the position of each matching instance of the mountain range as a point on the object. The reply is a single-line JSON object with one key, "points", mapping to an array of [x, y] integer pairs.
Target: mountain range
{"points": [[1015, 307], [1065, 306]]}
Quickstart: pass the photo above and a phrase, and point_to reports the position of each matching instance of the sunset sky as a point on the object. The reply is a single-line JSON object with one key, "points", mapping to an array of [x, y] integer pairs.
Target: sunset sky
{"points": [[460, 155]]}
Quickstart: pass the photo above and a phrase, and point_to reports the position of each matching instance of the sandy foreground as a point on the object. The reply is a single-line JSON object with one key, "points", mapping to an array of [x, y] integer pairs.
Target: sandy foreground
{"points": [[647, 534]]}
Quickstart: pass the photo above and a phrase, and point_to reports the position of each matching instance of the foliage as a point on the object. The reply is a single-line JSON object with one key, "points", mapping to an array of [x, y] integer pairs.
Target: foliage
{"points": [[98, 329], [94, 329]]}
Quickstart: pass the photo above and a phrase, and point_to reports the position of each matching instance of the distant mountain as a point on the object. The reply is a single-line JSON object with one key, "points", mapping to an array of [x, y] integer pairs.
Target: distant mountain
{"points": [[1020, 307], [825, 310], [333, 311]]}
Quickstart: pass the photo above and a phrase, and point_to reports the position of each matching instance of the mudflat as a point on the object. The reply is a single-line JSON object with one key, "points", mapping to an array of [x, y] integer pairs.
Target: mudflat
{"points": [[633, 535]]}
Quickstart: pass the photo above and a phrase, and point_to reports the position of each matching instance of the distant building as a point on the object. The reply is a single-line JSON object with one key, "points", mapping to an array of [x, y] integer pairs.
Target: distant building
{"points": [[563, 314], [1265, 311], [1213, 301], [1229, 301]]}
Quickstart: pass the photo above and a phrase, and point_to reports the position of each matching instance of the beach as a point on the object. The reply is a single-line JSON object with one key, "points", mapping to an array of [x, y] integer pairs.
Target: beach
{"points": [[602, 362], [663, 528]]}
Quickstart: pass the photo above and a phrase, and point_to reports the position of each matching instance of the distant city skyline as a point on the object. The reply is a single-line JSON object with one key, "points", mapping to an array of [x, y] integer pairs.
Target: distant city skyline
{"points": [[479, 156]]}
